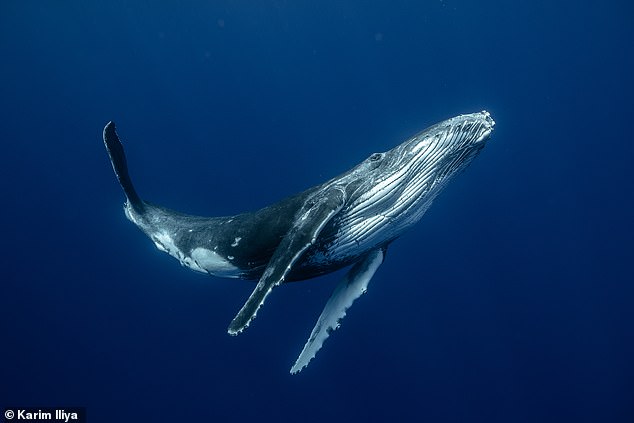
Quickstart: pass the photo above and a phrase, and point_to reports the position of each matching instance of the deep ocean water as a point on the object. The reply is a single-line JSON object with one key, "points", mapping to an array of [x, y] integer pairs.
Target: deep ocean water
{"points": [[511, 300]]}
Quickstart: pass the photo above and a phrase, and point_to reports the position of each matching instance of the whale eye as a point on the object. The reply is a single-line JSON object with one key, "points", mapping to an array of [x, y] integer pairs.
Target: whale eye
{"points": [[376, 157]]}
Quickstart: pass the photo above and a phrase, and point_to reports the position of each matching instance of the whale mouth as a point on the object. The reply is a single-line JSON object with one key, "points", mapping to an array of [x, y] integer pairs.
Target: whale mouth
{"points": [[487, 127], [488, 118]]}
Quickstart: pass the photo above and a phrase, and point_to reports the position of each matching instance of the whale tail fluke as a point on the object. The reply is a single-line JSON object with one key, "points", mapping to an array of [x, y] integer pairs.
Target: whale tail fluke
{"points": [[120, 166]]}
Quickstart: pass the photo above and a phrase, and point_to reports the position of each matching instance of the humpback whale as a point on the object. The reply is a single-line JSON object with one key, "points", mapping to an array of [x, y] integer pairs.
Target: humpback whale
{"points": [[349, 220]]}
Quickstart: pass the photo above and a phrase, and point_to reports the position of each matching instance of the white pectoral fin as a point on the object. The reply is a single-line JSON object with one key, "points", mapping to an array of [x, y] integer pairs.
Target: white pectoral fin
{"points": [[353, 285], [305, 230]]}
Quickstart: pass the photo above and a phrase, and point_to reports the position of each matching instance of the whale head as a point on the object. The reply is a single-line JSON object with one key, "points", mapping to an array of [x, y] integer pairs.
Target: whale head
{"points": [[433, 156], [395, 188]]}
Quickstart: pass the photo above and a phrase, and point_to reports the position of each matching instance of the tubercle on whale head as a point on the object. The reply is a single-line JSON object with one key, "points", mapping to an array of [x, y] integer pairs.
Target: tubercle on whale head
{"points": [[460, 132], [488, 125], [465, 130], [488, 118], [451, 144]]}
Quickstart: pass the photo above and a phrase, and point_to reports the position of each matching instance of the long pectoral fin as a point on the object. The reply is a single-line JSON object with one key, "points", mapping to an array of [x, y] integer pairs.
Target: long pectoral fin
{"points": [[303, 233], [353, 285]]}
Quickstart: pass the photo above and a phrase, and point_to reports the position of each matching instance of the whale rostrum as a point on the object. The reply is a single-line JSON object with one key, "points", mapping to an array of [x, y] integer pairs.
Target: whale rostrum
{"points": [[347, 221]]}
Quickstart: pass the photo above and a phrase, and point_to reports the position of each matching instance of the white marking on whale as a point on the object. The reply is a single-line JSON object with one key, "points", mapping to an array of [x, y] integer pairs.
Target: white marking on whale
{"points": [[214, 263]]}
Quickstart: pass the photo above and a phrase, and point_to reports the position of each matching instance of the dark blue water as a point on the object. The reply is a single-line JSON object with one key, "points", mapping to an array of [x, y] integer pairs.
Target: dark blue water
{"points": [[511, 301]]}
